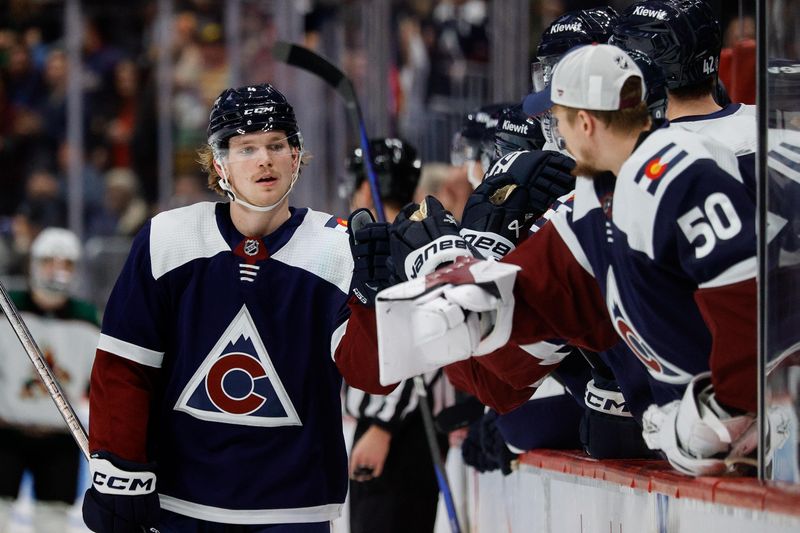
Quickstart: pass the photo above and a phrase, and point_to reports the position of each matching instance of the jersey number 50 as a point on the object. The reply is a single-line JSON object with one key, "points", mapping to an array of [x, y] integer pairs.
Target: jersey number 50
{"points": [[716, 221]]}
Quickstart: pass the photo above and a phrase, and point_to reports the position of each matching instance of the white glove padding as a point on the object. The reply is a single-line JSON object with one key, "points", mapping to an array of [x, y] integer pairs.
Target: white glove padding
{"points": [[696, 434], [460, 310]]}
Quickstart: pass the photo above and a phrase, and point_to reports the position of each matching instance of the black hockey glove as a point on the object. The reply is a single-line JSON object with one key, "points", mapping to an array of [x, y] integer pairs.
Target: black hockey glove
{"points": [[608, 430], [493, 444], [473, 453], [516, 191], [369, 244], [424, 237], [122, 498]]}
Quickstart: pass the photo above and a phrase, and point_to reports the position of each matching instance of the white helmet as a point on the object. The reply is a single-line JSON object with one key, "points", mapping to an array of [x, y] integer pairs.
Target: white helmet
{"points": [[56, 242]]}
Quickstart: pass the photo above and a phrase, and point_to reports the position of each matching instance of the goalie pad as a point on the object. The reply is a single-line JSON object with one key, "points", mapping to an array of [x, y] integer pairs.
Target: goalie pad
{"points": [[700, 438], [461, 310]]}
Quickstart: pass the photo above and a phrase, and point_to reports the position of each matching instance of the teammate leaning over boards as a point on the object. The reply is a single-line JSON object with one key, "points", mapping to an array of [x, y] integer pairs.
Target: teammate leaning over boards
{"points": [[32, 432], [214, 392], [663, 256]]}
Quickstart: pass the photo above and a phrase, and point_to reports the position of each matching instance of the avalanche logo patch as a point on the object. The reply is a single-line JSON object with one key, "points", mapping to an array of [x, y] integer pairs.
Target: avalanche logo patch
{"points": [[237, 383], [657, 366]]}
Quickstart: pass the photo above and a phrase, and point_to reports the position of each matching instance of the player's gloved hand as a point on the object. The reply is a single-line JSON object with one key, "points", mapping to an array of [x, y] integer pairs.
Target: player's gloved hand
{"points": [[424, 237], [493, 444], [122, 498], [369, 244], [608, 430], [473, 453], [700, 437], [516, 191]]}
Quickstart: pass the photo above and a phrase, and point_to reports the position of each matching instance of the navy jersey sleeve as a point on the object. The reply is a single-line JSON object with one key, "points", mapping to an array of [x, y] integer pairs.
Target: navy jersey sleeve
{"points": [[129, 354]]}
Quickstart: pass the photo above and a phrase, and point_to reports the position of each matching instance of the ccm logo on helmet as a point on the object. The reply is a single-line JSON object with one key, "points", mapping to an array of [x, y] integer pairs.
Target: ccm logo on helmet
{"points": [[127, 484], [259, 110]]}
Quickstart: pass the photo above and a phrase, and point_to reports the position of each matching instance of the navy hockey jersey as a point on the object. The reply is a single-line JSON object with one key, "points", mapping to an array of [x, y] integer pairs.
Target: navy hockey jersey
{"points": [[234, 337], [676, 222]]}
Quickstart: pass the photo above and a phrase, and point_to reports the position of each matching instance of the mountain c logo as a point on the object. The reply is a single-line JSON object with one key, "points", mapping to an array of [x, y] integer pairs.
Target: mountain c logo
{"points": [[237, 382]]}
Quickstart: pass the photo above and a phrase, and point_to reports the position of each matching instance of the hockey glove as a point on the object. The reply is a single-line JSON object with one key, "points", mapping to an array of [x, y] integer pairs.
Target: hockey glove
{"points": [[608, 430], [424, 237], [517, 190], [122, 498], [700, 437], [369, 244], [494, 445]]}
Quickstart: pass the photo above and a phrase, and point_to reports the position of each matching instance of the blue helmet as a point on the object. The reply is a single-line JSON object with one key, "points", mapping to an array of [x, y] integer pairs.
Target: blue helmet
{"points": [[656, 96], [683, 37], [516, 131], [396, 165], [250, 109], [475, 139], [574, 28]]}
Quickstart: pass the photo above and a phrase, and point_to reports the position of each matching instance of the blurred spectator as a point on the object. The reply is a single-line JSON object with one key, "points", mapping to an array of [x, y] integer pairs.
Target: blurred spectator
{"points": [[54, 104], [32, 433], [447, 183], [24, 83], [460, 29], [39, 210], [99, 57], [124, 210]]}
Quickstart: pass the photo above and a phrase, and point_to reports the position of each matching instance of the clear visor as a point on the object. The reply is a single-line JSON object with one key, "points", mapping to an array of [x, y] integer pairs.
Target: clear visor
{"points": [[542, 71], [275, 147]]}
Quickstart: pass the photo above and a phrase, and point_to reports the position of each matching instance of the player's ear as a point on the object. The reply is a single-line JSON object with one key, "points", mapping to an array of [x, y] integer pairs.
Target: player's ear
{"points": [[586, 122]]}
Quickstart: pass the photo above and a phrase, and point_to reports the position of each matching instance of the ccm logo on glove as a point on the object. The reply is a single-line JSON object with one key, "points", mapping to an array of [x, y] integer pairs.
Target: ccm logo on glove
{"points": [[109, 479]]}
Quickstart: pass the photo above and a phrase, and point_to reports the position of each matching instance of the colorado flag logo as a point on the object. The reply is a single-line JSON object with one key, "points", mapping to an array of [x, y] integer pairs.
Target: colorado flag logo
{"points": [[237, 383]]}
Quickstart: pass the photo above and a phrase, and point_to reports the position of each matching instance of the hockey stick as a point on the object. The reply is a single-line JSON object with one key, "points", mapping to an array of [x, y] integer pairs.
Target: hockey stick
{"points": [[303, 58], [436, 453], [43, 369]]}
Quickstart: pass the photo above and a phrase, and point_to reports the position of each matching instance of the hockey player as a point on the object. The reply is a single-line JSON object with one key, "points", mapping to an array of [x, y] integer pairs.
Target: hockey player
{"points": [[32, 432], [574, 28], [684, 39], [662, 256], [215, 401], [473, 144]]}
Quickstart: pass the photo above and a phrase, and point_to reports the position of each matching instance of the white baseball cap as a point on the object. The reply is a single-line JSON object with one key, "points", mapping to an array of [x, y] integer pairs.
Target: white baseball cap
{"points": [[587, 77]]}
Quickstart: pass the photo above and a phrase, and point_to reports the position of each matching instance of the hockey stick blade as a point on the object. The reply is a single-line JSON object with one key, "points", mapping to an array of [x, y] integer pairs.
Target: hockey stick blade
{"points": [[303, 58], [308, 60]]}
